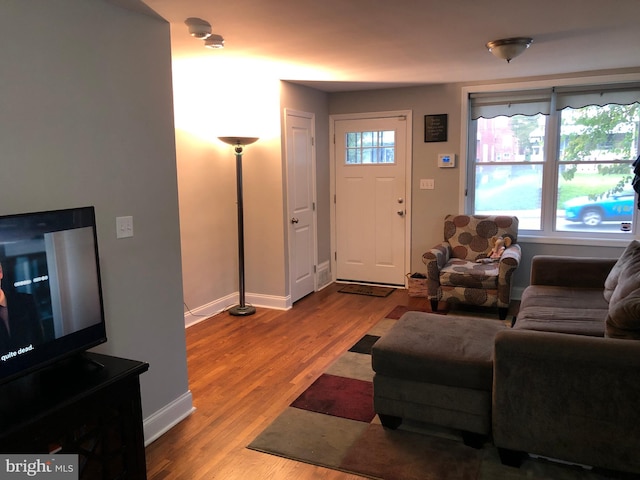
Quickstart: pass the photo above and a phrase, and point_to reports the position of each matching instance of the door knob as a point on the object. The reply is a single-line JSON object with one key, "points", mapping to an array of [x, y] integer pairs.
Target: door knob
{"points": [[401, 213], [294, 220]]}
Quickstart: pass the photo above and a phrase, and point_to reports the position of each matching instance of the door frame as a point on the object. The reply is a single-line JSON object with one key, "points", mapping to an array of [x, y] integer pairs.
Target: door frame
{"points": [[408, 115], [312, 118]]}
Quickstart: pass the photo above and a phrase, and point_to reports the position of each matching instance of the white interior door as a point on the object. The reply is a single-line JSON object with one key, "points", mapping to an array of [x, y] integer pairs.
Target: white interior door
{"points": [[301, 203], [371, 199]]}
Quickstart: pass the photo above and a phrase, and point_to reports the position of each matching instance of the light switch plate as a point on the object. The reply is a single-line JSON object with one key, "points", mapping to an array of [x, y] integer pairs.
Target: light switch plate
{"points": [[124, 227], [427, 184]]}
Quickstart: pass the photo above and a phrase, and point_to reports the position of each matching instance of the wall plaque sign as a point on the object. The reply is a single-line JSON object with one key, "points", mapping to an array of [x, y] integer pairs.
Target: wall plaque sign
{"points": [[435, 128]]}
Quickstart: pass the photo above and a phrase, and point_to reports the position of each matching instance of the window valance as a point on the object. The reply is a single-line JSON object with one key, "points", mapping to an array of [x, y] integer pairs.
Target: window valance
{"points": [[533, 102]]}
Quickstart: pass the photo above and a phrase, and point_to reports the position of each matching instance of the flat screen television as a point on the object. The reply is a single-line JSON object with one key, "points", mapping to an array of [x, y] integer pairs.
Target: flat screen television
{"points": [[51, 303]]}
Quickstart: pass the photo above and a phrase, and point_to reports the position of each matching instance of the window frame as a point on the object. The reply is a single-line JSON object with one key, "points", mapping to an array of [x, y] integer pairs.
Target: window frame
{"points": [[376, 148], [547, 234]]}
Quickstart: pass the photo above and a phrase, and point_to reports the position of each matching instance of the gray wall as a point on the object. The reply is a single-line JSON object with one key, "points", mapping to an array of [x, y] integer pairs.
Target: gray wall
{"points": [[207, 190], [208, 223], [304, 99], [430, 206], [86, 119]]}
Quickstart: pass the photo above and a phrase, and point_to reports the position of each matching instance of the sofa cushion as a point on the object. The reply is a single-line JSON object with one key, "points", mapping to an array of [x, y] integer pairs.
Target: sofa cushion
{"points": [[626, 271], [579, 311], [623, 320], [442, 350]]}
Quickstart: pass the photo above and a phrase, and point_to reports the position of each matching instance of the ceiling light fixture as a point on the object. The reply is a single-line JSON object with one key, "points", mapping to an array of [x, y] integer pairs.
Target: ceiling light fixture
{"points": [[214, 41], [201, 29], [198, 28], [509, 48]]}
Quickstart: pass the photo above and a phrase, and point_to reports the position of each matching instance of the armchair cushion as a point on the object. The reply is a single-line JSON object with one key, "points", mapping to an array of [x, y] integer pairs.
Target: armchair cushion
{"points": [[463, 273]]}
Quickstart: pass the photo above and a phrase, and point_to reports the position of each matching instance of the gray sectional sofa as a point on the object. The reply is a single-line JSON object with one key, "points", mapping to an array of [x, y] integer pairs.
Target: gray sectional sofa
{"points": [[565, 378]]}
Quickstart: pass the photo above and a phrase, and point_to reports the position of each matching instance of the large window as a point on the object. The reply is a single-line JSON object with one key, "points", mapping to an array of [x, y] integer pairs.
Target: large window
{"points": [[560, 159]]}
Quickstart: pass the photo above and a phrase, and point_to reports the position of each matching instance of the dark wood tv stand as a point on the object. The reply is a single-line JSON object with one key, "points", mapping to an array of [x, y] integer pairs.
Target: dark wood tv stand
{"points": [[89, 406]]}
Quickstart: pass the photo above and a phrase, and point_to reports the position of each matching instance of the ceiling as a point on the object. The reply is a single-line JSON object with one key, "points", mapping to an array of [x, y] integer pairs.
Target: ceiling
{"points": [[341, 45]]}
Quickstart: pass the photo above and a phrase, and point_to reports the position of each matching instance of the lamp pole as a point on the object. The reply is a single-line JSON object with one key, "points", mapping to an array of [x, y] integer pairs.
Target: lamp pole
{"points": [[238, 146]]}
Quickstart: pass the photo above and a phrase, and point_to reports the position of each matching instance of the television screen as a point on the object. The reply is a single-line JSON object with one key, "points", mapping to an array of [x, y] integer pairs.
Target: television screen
{"points": [[50, 290]]}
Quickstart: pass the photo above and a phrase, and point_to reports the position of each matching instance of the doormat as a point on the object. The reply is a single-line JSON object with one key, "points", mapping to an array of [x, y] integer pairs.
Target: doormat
{"points": [[367, 290]]}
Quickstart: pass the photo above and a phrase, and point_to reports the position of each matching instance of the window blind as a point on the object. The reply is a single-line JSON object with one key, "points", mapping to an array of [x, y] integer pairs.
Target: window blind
{"points": [[578, 97], [495, 104], [532, 102]]}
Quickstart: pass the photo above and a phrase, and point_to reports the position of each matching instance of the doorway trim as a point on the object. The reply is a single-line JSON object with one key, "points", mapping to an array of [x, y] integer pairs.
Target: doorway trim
{"points": [[408, 115]]}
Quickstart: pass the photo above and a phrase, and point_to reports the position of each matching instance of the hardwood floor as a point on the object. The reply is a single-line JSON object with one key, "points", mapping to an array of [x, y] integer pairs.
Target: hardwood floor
{"points": [[244, 371]]}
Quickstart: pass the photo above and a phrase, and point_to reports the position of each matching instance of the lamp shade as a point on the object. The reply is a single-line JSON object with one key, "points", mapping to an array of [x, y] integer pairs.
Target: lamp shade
{"points": [[509, 48], [238, 140]]}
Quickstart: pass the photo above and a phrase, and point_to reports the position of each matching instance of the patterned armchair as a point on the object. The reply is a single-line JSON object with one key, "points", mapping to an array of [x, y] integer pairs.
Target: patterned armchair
{"points": [[453, 271]]}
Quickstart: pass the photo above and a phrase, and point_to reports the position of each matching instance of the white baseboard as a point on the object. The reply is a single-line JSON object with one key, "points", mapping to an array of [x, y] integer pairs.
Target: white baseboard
{"points": [[158, 423], [198, 314], [268, 301]]}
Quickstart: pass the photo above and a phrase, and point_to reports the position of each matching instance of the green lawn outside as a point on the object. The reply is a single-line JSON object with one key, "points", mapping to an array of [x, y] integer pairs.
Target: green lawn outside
{"points": [[584, 184]]}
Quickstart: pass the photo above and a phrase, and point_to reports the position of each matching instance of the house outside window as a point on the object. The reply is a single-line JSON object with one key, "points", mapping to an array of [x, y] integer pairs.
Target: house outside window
{"points": [[561, 158]]}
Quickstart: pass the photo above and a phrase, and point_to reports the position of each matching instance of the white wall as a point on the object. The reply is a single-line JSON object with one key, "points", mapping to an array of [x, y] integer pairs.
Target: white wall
{"points": [[86, 119]]}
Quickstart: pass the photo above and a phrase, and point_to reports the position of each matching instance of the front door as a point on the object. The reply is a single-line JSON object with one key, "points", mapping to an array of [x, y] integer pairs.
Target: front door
{"points": [[371, 203]]}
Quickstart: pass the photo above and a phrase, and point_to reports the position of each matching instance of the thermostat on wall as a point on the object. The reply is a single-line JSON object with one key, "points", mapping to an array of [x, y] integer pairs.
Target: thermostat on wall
{"points": [[447, 160]]}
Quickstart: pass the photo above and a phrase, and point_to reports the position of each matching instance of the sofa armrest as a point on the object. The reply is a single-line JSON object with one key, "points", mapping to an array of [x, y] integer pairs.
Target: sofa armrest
{"points": [[576, 272], [570, 397], [435, 259]]}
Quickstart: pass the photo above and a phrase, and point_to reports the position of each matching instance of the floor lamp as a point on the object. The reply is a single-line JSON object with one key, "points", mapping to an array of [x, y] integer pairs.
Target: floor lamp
{"points": [[239, 143]]}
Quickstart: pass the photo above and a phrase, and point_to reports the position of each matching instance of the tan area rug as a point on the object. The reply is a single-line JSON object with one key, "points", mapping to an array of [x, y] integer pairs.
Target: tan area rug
{"points": [[332, 424]]}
